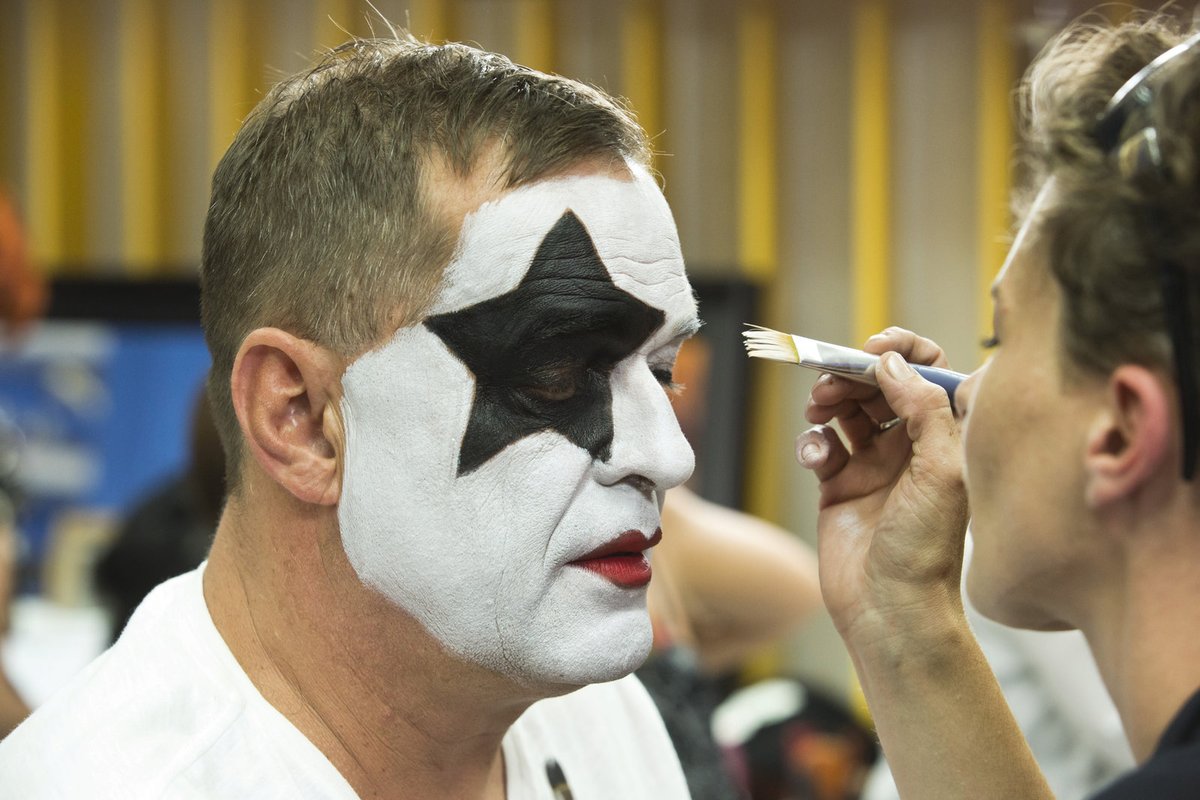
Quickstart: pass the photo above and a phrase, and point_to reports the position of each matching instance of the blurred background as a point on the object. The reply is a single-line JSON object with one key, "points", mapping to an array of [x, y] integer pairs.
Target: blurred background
{"points": [[834, 168]]}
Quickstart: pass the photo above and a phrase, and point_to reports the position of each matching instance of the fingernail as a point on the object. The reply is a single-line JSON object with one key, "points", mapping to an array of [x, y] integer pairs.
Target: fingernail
{"points": [[825, 379], [812, 452], [896, 366]]}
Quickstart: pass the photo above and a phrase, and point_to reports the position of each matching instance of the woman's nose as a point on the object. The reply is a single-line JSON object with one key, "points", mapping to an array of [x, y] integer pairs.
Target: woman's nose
{"points": [[965, 393]]}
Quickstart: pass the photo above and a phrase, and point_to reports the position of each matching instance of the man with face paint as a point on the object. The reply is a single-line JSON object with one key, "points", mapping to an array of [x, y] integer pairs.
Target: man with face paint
{"points": [[444, 298]]}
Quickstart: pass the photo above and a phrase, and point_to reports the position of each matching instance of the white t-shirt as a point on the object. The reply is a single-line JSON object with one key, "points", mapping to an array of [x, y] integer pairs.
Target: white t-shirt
{"points": [[167, 712]]}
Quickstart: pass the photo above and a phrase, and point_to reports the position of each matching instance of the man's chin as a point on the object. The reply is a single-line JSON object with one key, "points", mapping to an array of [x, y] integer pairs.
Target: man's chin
{"points": [[606, 652]]}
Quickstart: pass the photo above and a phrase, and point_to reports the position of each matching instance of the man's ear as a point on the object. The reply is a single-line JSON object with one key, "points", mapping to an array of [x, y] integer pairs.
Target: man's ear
{"points": [[286, 392], [1132, 437]]}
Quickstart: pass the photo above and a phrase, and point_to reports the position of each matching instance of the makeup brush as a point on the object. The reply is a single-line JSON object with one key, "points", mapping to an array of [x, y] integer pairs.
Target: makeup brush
{"points": [[845, 362]]}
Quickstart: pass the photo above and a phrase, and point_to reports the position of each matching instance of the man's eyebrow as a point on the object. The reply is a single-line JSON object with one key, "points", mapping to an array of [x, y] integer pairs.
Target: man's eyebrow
{"points": [[685, 329]]}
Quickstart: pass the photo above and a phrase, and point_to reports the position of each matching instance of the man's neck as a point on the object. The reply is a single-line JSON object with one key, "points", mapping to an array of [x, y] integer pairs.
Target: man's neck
{"points": [[396, 715]]}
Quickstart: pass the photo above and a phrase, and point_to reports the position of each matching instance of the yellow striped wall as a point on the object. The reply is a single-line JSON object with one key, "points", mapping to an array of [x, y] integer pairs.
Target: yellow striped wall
{"points": [[870, 167], [45, 136], [682, 63], [993, 147], [641, 80], [758, 208], [146, 131]]}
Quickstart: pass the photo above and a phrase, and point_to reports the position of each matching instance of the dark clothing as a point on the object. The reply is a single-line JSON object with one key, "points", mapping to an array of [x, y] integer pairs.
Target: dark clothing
{"points": [[686, 699], [1173, 772], [167, 534]]}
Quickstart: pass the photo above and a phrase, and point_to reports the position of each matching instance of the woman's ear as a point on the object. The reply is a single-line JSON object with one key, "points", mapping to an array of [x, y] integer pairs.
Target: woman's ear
{"points": [[285, 392], [1132, 438]]}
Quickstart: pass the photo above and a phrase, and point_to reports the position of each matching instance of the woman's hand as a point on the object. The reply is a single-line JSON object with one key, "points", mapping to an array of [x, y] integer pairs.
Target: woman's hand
{"points": [[893, 507]]}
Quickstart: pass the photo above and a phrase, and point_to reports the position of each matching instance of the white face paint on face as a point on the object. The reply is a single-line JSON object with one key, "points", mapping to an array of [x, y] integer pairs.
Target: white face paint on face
{"points": [[521, 428]]}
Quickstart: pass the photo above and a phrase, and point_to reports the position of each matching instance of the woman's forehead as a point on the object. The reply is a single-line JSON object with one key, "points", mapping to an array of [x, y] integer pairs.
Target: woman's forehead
{"points": [[1025, 267]]}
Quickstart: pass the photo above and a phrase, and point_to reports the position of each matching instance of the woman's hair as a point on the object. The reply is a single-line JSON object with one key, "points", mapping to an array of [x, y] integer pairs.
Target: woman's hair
{"points": [[1106, 231]]}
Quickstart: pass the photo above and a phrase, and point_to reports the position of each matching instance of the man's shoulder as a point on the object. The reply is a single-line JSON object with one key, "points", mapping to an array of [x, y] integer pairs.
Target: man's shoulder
{"points": [[133, 718]]}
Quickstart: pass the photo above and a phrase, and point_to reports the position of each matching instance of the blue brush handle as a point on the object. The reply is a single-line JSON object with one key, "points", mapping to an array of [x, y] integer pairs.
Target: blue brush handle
{"points": [[944, 378]]}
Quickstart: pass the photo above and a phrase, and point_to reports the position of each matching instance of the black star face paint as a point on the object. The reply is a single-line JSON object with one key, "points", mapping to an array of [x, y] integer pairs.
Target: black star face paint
{"points": [[543, 354], [498, 455]]}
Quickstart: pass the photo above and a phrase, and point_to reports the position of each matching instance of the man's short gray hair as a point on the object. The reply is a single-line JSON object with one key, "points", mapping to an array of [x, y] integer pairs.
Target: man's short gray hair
{"points": [[321, 221]]}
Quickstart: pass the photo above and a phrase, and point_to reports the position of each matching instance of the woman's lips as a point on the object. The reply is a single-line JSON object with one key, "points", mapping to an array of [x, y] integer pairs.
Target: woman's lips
{"points": [[623, 560]]}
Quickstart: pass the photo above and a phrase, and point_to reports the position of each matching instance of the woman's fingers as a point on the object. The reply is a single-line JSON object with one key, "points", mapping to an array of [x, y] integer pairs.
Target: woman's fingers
{"points": [[857, 422], [820, 449], [859, 408], [915, 349], [928, 422], [831, 395]]}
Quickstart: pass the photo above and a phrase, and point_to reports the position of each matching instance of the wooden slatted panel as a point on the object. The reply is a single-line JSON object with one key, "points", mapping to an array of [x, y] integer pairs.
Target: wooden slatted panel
{"points": [[871, 168], [430, 20], [758, 235], [641, 68], [10, 74], [994, 145], [758, 141], [533, 34], [143, 217], [227, 47], [43, 132], [335, 21]]}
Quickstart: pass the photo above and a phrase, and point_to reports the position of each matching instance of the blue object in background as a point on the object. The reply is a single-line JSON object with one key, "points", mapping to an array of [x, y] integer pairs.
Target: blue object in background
{"points": [[105, 410], [155, 376]]}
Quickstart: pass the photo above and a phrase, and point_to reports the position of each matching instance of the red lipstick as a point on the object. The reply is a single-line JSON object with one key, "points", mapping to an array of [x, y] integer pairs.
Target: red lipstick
{"points": [[623, 560]]}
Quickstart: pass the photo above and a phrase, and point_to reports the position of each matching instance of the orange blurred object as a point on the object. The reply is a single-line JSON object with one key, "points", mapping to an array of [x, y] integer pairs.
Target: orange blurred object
{"points": [[22, 289]]}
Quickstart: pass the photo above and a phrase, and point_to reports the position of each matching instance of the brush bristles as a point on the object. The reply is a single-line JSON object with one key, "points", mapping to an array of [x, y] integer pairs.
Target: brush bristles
{"points": [[765, 343]]}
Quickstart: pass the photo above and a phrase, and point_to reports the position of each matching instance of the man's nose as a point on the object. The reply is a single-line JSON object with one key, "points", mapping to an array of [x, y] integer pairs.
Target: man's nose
{"points": [[649, 450]]}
